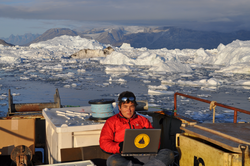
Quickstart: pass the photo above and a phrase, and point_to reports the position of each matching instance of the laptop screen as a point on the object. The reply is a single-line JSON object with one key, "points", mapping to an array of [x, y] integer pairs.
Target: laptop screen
{"points": [[141, 141]]}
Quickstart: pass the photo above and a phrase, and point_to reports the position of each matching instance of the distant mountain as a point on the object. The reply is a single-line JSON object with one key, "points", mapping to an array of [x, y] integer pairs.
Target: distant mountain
{"points": [[21, 39], [171, 38], [4, 43], [56, 32], [112, 37], [167, 37], [152, 38]]}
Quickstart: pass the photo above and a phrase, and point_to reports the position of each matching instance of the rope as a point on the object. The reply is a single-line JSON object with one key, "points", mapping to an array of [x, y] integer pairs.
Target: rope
{"points": [[212, 106], [102, 110]]}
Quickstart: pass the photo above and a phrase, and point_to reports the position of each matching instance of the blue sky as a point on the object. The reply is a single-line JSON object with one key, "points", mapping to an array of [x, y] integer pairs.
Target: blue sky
{"points": [[36, 16]]}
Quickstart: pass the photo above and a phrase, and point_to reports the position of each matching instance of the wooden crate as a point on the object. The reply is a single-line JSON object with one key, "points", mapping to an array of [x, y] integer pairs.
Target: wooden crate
{"points": [[213, 144], [15, 132]]}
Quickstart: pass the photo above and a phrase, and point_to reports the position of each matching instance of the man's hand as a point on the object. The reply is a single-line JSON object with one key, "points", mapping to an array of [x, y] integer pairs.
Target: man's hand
{"points": [[121, 146]]}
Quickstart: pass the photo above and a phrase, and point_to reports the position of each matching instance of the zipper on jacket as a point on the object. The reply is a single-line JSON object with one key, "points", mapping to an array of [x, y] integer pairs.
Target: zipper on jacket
{"points": [[131, 127], [129, 124]]}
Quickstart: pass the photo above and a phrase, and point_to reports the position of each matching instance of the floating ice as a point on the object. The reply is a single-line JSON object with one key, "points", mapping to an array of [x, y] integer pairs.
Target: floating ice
{"points": [[186, 75], [15, 94], [24, 78], [189, 83], [50, 61], [105, 84], [3, 97], [202, 82], [58, 67], [89, 78], [219, 116], [200, 116], [242, 82], [154, 105], [228, 111], [126, 46], [66, 86], [75, 84], [81, 70], [117, 58], [117, 80], [10, 59], [160, 92], [146, 81], [213, 82], [65, 76], [233, 53], [210, 88], [162, 87], [171, 67], [160, 60], [236, 68], [73, 42], [170, 82], [118, 68]]}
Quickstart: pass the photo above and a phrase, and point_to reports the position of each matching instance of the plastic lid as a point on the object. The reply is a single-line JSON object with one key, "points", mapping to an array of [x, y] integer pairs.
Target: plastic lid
{"points": [[101, 101]]}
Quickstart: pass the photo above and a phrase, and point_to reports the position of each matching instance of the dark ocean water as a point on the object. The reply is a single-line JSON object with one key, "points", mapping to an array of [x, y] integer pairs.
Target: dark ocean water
{"points": [[29, 84]]}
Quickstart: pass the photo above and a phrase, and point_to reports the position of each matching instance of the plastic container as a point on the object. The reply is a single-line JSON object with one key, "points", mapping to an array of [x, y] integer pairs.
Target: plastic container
{"points": [[69, 128]]}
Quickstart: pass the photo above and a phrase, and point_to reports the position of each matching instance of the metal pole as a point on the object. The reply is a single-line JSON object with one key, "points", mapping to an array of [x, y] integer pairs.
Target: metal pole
{"points": [[235, 116], [243, 148], [175, 104]]}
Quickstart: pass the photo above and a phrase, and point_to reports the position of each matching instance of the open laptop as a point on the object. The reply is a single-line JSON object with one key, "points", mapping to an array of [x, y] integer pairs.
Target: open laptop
{"points": [[141, 142]]}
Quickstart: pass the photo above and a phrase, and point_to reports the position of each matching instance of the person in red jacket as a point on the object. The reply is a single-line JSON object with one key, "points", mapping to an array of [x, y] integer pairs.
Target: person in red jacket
{"points": [[113, 131]]}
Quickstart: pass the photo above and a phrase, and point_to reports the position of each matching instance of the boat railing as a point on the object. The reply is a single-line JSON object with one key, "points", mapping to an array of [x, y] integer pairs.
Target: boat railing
{"points": [[236, 110]]}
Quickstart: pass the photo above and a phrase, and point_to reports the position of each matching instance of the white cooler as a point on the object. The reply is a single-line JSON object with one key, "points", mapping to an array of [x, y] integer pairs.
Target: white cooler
{"points": [[69, 128]]}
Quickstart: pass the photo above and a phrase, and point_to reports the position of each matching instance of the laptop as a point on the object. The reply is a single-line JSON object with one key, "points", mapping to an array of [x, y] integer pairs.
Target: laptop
{"points": [[141, 142]]}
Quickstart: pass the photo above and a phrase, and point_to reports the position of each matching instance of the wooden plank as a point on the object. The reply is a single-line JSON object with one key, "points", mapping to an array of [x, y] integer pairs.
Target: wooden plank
{"points": [[238, 132], [213, 138]]}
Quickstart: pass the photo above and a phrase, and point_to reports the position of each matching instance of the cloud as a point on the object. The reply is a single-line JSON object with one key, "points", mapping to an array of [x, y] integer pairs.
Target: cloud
{"points": [[199, 14], [99, 10]]}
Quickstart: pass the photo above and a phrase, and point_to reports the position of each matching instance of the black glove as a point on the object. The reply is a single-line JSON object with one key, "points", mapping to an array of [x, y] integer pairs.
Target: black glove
{"points": [[121, 145]]}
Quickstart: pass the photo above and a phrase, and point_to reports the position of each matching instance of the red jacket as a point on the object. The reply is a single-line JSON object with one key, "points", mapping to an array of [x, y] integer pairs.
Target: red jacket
{"points": [[113, 130]]}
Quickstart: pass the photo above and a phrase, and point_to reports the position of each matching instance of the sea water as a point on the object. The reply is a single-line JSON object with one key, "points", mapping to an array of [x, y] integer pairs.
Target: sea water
{"points": [[79, 82]]}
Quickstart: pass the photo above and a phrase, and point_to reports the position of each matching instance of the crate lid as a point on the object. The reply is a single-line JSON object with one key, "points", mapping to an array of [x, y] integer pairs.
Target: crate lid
{"points": [[226, 135]]}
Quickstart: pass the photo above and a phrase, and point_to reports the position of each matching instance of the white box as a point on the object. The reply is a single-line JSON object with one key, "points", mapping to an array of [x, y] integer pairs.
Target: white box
{"points": [[69, 128], [78, 163]]}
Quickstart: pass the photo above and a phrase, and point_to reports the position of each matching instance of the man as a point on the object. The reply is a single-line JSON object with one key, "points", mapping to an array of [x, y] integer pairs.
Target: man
{"points": [[113, 131]]}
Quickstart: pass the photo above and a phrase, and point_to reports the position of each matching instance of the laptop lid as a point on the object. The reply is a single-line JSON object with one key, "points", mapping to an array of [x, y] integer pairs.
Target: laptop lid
{"points": [[141, 141]]}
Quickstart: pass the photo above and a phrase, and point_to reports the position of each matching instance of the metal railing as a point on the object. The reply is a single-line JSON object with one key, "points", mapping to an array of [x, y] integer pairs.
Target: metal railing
{"points": [[236, 110]]}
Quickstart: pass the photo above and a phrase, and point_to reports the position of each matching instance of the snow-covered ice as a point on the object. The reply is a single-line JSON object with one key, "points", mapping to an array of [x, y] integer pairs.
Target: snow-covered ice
{"points": [[154, 75]]}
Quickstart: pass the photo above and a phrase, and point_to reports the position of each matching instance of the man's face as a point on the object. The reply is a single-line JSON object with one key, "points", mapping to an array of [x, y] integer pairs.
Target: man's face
{"points": [[127, 109]]}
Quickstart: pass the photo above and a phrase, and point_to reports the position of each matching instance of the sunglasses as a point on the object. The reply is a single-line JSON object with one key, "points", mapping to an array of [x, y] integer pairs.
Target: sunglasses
{"points": [[124, 99]]}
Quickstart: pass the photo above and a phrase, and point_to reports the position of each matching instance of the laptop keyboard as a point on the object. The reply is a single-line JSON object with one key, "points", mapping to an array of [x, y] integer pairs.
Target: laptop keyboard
{"points": [[145, 154]]}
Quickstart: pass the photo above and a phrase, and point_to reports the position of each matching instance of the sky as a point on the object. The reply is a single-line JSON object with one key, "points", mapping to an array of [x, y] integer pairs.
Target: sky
{"points": [[36, 16]]}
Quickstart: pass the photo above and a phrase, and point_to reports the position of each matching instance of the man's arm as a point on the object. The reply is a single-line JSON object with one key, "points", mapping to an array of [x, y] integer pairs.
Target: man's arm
{"points": [[146, 123], [106, 141]]}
